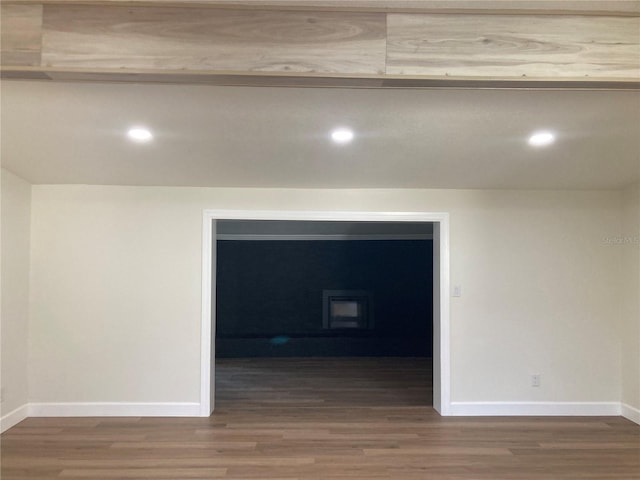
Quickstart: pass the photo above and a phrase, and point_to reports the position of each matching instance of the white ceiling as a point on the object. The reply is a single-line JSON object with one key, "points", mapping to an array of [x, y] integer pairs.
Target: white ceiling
{"points": [[278, 137]]}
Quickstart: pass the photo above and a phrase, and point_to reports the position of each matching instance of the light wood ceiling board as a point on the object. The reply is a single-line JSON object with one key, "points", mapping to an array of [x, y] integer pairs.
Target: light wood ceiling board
{"points": [[19, 74], [214, 40], [568, 83], [268, 79], [514, 46], [216, 79], [21, 34]]}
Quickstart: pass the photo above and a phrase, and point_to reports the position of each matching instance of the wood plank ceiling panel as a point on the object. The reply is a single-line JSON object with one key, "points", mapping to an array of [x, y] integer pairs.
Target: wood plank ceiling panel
{"points": [[504, 46], [263, 79], [202, 39], [21, 34]]}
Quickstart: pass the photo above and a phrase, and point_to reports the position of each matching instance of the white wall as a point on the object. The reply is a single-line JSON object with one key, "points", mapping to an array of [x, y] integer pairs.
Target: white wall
{"points": [[16, 218], [629, 243], [116, 289]]}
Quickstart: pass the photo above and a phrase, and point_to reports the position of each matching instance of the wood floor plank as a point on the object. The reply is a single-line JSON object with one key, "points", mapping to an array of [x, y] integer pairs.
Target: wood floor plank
{"points": [[173, 474], [356, 419]]}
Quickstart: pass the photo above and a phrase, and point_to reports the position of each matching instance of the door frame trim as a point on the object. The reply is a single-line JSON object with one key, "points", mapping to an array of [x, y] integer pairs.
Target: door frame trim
{"points": [[441, 318]]}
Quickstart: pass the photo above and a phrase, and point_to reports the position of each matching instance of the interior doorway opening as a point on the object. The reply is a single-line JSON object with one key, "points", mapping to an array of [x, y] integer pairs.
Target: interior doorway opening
{"points": [[323, 314], [348, 314]]}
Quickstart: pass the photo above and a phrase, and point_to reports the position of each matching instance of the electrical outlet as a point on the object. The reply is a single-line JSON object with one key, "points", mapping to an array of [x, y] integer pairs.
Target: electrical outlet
{"points": [[535, 380]]}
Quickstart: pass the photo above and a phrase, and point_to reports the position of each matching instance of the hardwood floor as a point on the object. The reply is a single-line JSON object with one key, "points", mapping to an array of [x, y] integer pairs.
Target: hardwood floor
{"points": [[326, 382], [323, 419]]}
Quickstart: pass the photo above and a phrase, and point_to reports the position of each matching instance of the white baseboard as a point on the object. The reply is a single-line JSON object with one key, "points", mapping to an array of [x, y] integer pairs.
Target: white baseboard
{"points": [[501, 409], [471, 409], [631, 413], [13, 418], [113, 409]]}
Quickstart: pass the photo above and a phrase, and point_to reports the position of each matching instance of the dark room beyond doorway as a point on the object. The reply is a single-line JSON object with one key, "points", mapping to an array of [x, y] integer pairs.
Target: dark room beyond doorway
{"points": [[299, 298]]}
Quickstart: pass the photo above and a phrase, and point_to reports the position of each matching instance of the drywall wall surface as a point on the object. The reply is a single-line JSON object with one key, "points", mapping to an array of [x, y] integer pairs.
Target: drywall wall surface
{"points": [[116, 288], [629, 244], [16, 218]]}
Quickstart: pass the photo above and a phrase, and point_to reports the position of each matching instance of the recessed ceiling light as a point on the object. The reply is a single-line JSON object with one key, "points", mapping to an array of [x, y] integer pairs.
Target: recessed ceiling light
{"points": [[342, 135], [540, 139], [139, 134]]}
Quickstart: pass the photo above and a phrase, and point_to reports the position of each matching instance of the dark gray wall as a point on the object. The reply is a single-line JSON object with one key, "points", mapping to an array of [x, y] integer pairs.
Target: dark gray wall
{"points": [[269, 297]]}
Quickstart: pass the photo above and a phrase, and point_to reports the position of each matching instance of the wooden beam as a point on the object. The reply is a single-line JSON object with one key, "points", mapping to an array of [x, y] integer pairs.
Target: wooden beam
{"points": [[318, 48], [21, 34], [513, 46], [275, 79], [214, 40]]}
